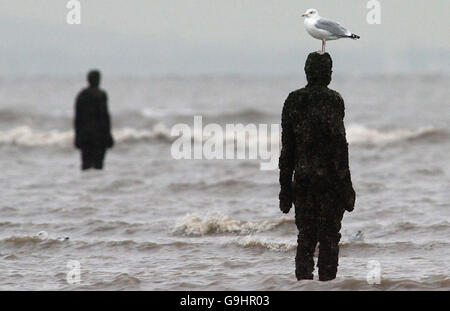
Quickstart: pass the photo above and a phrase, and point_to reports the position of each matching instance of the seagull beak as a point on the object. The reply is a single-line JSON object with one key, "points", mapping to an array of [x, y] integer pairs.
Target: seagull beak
{"points": [[304, 14]]}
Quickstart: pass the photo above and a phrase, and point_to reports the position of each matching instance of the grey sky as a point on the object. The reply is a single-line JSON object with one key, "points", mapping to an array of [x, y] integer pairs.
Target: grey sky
{"points": [[217, 36]]}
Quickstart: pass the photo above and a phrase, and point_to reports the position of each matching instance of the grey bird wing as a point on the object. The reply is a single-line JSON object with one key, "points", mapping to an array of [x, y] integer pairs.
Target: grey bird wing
{"points": [[332, 27]]}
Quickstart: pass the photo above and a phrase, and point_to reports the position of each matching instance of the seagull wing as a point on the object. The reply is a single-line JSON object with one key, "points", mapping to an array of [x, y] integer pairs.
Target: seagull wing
{"points": [[332, 27]]}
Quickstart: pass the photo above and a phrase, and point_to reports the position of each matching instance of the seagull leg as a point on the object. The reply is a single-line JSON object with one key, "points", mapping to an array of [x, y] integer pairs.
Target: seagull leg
{"points": [[322, 51]]}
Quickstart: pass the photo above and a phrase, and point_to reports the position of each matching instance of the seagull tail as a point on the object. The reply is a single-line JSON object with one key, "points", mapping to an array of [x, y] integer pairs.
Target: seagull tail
{"points": [[354, 37]]}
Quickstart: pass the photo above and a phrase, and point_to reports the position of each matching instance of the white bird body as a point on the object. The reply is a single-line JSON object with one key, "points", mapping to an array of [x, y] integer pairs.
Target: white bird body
{"points": [[313, 31], [318, 33], [324, 29], [42, 235]]}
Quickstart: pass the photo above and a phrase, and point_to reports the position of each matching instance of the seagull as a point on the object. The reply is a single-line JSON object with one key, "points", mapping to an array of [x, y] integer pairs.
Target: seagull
{"points": [[358, 237], [42, 235], [325, 29]]}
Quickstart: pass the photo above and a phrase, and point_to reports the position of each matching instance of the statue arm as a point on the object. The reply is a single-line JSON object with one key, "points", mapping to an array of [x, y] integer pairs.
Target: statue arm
{"points": [[106, 121], [341, 147], [286, 162], [77, 121]]}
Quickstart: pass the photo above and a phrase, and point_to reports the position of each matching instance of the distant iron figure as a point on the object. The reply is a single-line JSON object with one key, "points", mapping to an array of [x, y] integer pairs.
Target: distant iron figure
{"points": [[315, 152], [92, 123]]}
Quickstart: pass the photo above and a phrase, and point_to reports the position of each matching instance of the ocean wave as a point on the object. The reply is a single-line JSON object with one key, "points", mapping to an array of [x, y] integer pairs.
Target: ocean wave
{"points": [[360, 134], [356, 134], [226, 185], [438, 282], [410, 226], [26, 136], [275, 244], [13, 115], [16, 239], [125, 279], [196, 225], [36, 241], [149, 115], [126, 244], [120, 281], [265, 243], [348, 283], [347, 245], [248, 114], [21, 241]]}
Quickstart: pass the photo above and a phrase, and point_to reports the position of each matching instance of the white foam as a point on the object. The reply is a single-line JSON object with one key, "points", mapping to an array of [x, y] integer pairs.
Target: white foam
{"points": [[270, 244], [194, 224], [26, 136], [360, 134], [283, 245], [356, 134]]}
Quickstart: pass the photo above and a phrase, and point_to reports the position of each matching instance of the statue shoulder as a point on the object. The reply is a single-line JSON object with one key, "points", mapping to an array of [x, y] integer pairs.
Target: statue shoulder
{"points": [[296, 96], [336, 95], [81, 96], [104, 95], [337, 103], [298, 92]]}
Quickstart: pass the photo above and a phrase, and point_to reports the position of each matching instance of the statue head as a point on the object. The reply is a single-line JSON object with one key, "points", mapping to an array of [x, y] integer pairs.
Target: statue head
{"points": [[318, 69], [94, 78]]}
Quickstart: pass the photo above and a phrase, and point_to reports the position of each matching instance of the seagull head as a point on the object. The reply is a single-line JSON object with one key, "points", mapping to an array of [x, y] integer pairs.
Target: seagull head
{"points": [[310, 13]]}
